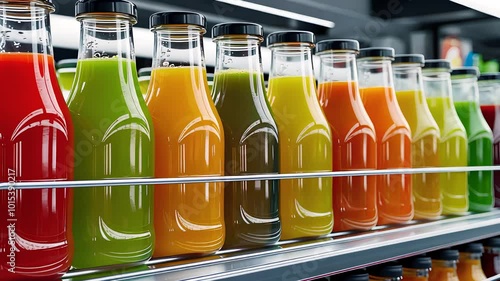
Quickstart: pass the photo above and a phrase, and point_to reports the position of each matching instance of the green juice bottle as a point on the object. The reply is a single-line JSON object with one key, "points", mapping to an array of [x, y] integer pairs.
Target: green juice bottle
{"points": [[251, 208], [113, 140], [466, 98]]}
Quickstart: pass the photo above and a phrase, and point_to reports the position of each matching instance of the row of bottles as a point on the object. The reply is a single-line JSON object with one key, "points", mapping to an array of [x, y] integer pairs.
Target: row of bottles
{"points": [[469, 262], [108, 131]]}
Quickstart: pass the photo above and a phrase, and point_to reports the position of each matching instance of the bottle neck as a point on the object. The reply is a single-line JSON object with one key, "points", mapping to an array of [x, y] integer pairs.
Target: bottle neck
{"points": [[412, 272], [375, 72], [25, 28], [291, 60], [465, 90], [179, 46], [408, 77], [470, 257], [452, 265], [489, 92], [240, 53], [437, 84], [338, 67], [106, 37]]}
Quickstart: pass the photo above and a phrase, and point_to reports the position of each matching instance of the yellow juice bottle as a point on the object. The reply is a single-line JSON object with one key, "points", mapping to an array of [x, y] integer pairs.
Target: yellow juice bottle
{"points": [[425, 134], [453, 143], [304, 135]]}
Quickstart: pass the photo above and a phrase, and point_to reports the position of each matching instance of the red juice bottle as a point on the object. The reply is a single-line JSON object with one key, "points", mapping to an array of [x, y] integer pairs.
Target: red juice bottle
{"points": [[36, 144], [489, 99]]}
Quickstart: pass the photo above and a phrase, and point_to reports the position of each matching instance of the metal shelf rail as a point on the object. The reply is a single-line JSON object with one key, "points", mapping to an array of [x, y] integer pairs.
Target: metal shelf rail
{"points": [[295, 260]]}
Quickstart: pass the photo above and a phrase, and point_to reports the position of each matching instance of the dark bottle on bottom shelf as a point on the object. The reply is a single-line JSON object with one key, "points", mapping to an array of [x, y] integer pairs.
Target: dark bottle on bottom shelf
{"points": [[251, 137]]}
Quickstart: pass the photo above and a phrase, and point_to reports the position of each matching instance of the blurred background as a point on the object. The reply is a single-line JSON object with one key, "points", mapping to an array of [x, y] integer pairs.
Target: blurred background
{"points": [[434, 28]]}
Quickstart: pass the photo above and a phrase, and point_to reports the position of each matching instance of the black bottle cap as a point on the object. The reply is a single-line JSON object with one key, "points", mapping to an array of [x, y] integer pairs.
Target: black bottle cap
{"points": [[164, 18], [473, 248], [390, 270], [105, 6], [489, 76], [418, 262], [360, 275], [465, 71], [444, 64], [67, 63], [409, 58], [492, 242], [293, 36], [337, 45], [376, 52], [145, 71], [237, 28], [445, 255]]}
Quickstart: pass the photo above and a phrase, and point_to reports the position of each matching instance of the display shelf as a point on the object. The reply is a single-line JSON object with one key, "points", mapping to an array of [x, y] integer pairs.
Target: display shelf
{"points": [[296, 260]]}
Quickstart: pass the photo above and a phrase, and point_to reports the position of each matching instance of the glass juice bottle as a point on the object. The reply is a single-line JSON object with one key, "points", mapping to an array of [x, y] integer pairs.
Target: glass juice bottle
{"points": [[480, 136], [353, 135], [425, 134], [386, 272], [251, 208], [489, 98], [444, 265], [453, 143], [394, 192], [113, 140], [304, 136], [469, 264], [188, 139], [490, 261], [36, 144], [416, 268]]}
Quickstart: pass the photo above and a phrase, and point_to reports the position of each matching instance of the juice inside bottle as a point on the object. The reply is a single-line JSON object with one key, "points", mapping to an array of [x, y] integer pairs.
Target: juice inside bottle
{"points": [[252, 145], [480, 137], [353, 136], [113, 140], [304, 137], [425, 134], [469, 264], [444, 265], [453, 143], [188, 139], [489, 98], [36, 145], [394, 192]]}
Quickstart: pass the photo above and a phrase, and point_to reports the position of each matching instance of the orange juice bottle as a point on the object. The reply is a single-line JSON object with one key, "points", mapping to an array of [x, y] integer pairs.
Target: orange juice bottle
{"points": [[304, 137], [353, 135], [394, 192], [189, 139], [469, 263], [386, 272], [425, 134], [444, 265], [416, 268]]}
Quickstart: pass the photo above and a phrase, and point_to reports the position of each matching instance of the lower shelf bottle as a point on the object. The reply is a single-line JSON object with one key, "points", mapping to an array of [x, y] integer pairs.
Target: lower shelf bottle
{"points": [[386, 272], [469, 264], [490, 260], [416, 268], [444, 265]]}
